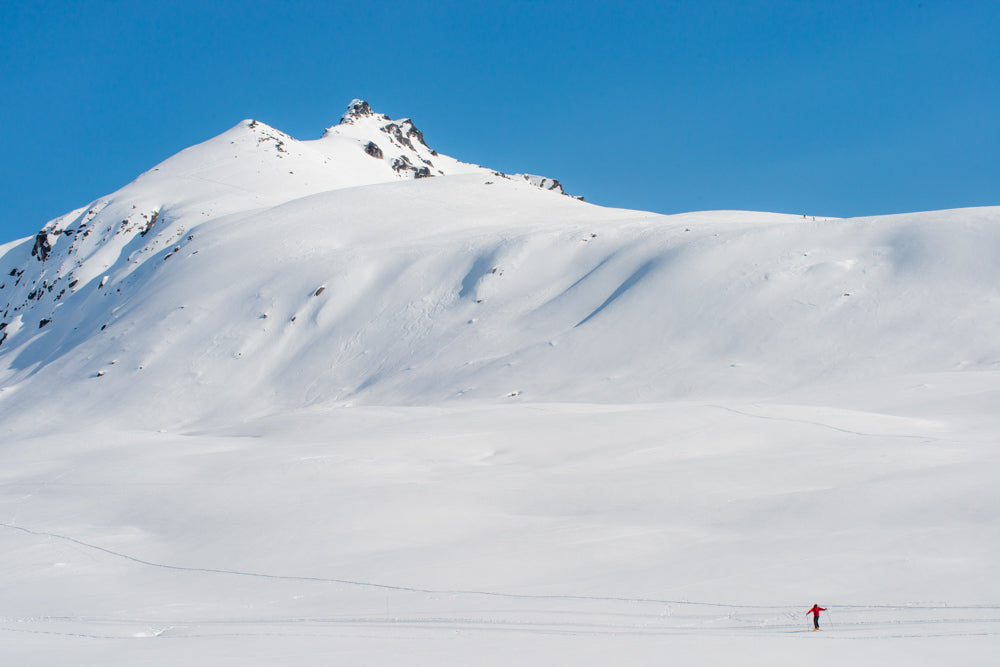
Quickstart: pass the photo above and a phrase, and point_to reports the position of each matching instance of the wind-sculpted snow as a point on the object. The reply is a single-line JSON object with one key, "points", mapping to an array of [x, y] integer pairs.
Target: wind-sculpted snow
{"points": [[444, 289]]}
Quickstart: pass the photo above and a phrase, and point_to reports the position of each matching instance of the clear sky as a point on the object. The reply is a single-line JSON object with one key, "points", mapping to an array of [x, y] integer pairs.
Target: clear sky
{"points": [[837, 108]]}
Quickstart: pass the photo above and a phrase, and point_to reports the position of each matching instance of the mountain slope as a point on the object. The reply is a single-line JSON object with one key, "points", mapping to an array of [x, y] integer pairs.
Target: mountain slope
{"points": [[256, 273]]}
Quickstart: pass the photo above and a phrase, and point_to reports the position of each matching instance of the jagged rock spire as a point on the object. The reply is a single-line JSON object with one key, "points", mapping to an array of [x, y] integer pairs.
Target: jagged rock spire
{"points": [[356, 109]]}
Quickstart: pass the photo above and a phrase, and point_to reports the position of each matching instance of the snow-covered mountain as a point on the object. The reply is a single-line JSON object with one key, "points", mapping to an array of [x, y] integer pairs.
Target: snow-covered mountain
{"points": [[355, 389], [255, 272], [67, 288]]}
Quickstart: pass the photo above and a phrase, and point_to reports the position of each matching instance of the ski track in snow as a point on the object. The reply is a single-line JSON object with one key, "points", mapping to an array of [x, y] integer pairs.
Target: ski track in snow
{"points": [[736, 620], [862, 434]]}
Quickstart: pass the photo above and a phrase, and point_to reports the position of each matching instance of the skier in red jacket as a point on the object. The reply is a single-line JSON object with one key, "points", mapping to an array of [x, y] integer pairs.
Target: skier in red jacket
{"points": [[815, 612]]}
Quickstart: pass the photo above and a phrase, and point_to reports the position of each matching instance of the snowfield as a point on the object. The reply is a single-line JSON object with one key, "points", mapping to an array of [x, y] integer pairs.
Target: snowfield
{"points": [[307, 402]]}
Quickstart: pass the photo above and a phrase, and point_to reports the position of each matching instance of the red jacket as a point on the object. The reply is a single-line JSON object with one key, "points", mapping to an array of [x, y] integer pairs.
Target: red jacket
{"points": [[816, 610]]}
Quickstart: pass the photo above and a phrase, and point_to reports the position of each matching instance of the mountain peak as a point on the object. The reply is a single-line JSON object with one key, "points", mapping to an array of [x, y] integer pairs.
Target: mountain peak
{"points": [[359, 112], [402, 146], [357, 109], [398, 143]]}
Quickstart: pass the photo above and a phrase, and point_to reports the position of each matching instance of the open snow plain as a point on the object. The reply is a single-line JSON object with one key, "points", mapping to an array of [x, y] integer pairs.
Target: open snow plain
{"points": [[273, 403], [514, 534]]}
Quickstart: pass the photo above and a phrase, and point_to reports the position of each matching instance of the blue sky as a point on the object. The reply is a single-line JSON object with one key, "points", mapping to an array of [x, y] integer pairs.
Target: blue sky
{"points": [[828, 108]]}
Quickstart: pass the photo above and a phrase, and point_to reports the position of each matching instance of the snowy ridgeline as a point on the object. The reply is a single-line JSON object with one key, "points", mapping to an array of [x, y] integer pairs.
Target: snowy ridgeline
{"points": [[224, 297], [277, 396]]}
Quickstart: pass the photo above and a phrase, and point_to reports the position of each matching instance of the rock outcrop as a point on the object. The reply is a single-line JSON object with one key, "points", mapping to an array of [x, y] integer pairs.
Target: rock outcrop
{"points": [[402, 146]]}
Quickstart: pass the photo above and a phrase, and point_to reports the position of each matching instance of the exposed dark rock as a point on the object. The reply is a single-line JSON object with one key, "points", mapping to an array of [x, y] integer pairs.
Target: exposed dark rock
{"points": [[360, 108], [396, 133], [149, 225], [319, 291], [372, 149], [401, 164], [13, 272], [413, 132], [43, 322], [542, 182], [42, 247], [279, 144], [357, 109]]}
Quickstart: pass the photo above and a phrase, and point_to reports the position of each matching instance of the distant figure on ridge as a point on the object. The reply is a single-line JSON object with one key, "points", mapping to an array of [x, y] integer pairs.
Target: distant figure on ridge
{"points": [[815, 612]]}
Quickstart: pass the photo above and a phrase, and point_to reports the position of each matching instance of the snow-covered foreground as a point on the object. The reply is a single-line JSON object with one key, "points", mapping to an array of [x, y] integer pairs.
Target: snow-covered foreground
{"points": [[516, 534]]}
